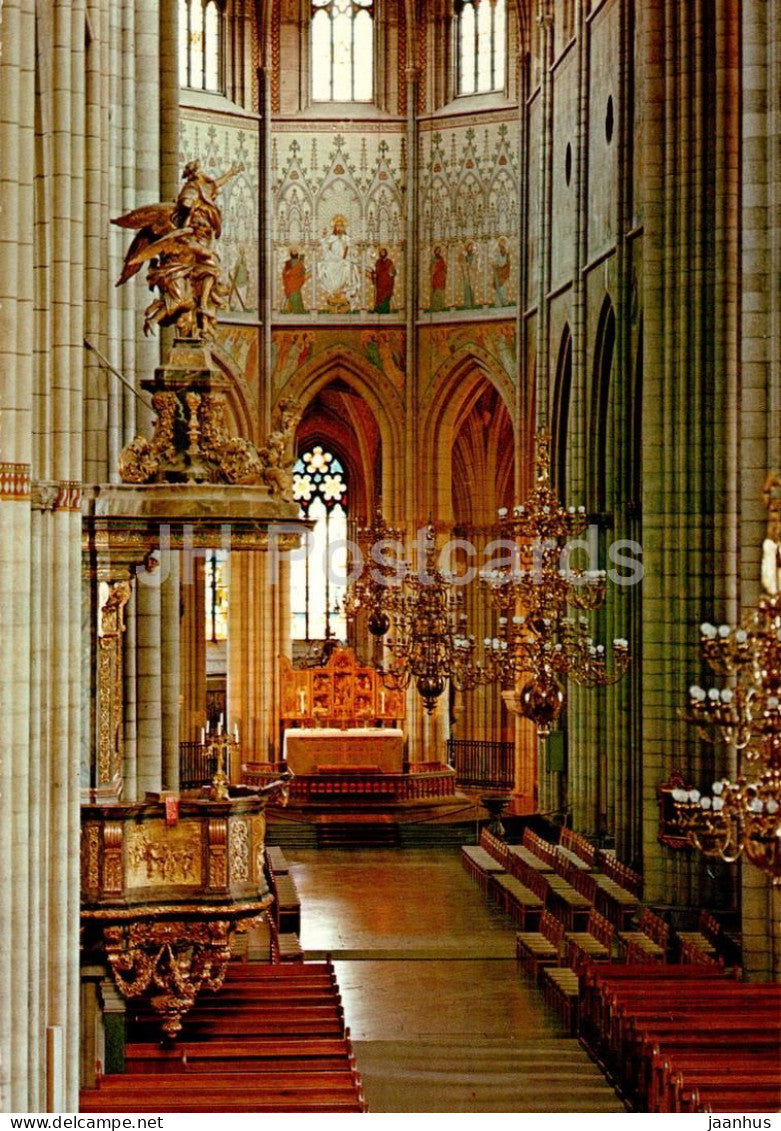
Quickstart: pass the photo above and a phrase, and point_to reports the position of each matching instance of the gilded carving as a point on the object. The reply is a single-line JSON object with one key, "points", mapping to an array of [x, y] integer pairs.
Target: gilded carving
{"points": [[110, 630], [91, 857], [168, 962], [158, 855], [239, 839]]}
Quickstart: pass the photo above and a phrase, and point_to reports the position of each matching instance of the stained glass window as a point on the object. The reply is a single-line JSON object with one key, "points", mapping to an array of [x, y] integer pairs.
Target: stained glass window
{"points": [[342, 50], [482, 46], [200, 44], [216, 576], [317, 581]]}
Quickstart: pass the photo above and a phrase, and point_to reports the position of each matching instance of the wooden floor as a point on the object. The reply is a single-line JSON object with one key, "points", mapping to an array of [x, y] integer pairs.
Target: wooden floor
{"points": [[440, 1018]]}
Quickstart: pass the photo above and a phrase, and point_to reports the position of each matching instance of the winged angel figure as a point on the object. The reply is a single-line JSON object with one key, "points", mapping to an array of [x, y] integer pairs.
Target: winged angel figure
{"points": [[177, 239]]}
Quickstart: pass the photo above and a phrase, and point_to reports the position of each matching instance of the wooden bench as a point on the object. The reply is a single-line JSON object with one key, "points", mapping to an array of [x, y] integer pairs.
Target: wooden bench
{"points": [[561, 990], [537, 949], [650, 938], [542, 849], [517, 900], [273, 1041], [525, 855], [705, 937], [631, 1016], [567, 902], [619, 890], [579, 851], [486, 859], [275, 861], [675, 1070], [595, 944]]}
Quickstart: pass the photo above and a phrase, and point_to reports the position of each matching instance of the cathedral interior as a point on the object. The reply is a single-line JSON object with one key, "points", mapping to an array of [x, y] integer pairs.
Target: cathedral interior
{"points": [[484, 293]]}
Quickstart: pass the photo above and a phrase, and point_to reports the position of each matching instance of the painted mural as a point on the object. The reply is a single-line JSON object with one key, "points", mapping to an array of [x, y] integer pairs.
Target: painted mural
{"points": [[218, 146], [383, 348], [493, 342], [469, 217], [339, 232]]}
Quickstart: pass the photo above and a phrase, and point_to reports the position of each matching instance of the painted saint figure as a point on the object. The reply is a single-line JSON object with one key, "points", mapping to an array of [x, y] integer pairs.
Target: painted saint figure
{"points": [[468, 263], [336, 272], [384, 278], [438, 279], [500, 267], [294, 275]]}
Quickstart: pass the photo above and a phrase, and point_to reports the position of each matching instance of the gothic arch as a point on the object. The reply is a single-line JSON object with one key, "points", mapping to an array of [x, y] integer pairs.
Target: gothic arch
{"points": [[560, 411], [600, 426], [377, 391], [457, 385], [241, 404]]}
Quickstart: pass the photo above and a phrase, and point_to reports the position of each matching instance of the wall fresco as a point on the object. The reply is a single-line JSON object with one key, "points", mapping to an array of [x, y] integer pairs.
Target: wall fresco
{"points": [[339, 230], [383, 348], [468, 217], [494, 341], [217, 146]]}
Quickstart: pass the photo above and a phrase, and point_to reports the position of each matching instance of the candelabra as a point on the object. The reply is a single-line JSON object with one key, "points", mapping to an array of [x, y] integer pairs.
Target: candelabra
{"points": [[429, 642], [532, 595], [218, 751], [741, 818], [377, 590]]}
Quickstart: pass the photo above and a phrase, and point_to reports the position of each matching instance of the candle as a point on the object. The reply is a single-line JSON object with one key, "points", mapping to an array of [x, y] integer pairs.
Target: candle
{"points": [[236, 733], [208, 724], [302, 700], [203, 737], [382, 702], [222, 720]]}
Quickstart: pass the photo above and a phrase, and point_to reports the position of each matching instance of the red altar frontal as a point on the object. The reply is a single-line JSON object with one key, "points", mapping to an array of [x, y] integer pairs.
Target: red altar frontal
{"points": [[343, 739]]}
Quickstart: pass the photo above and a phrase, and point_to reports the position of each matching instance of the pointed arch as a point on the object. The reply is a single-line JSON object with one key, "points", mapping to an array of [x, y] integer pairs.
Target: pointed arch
{"points": [[375, 388], [457, 386], [560, 409], [599, 421]]}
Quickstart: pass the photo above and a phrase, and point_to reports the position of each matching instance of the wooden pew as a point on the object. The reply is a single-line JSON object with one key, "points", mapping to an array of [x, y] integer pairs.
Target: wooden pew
{"points": [[536, 949], [595, 944], [650, 937], [633, 1017]]}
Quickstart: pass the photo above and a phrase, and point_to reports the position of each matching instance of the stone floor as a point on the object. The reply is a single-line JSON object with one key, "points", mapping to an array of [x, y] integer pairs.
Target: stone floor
{"points": [[441, 1019]]}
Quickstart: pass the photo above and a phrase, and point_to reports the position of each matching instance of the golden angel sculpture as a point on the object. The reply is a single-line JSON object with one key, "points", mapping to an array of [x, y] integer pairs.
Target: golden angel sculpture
{"points": [[176, 239]]}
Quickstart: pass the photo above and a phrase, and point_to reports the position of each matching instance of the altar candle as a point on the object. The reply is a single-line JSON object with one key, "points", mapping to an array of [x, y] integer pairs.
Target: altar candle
{"points": [[382, 702], [203, 737], [302, 700], [208, 724], [236, 733], [222, 719]]}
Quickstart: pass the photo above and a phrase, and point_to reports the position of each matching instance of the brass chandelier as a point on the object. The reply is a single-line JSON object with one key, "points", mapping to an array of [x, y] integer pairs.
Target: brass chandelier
{"points": [[537, 637], [743, 817], [424, 614]]}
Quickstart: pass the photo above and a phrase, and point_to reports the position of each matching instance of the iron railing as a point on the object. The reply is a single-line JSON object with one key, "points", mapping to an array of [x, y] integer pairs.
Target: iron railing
{"points": [[482, 763], [196, 766]]}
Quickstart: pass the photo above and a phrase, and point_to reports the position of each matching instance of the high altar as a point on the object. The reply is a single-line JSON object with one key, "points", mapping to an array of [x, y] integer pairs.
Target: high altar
{"points": [[340, 717], [342, 739]]}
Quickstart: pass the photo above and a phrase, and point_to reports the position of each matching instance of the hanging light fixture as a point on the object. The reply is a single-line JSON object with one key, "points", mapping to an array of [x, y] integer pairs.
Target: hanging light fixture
{"points": [[422, 614], [429, 643], [537, 638], [743, 817], [378, 588]]}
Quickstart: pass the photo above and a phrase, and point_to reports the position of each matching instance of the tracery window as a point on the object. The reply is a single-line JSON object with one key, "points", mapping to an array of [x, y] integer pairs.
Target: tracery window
{"points": [[342, 50], [318, 581], [200, 45], [481, 44]]}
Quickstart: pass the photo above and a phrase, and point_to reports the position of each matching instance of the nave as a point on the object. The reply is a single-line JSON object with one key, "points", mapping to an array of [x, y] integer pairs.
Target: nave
{"points": [[441, 1019]]}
